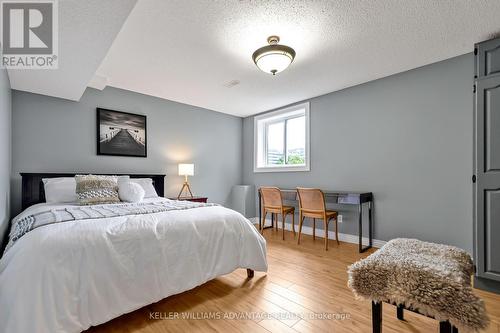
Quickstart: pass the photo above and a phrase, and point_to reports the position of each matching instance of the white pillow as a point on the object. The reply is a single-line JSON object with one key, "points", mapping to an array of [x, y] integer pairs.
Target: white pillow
{"points": [[123, 179], [130, 192], [147, 186], [60, 189]]}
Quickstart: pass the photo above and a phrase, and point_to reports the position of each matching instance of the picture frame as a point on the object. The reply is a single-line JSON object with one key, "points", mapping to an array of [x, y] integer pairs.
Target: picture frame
{"points": [[121, 133]]}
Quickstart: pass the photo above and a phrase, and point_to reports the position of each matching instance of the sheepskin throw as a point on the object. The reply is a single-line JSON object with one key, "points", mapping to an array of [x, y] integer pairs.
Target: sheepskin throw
{"points": [[94, 190], [431, 278]]}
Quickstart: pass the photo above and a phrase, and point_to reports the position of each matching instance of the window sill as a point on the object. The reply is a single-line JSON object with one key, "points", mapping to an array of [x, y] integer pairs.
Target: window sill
{"points": [[282, 169]]}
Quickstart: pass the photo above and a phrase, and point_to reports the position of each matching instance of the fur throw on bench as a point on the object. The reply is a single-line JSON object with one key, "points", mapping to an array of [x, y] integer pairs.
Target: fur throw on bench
{"points": [[432, 279]]}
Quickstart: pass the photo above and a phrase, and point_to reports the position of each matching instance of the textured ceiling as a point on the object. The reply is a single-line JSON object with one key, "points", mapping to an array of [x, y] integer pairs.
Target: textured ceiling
{"points": [[188, 51], [86, 31], [194, 51]]}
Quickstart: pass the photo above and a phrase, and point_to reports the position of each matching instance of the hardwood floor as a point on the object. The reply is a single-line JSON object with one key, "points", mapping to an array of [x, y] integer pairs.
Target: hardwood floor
{"points": [[303, 283]]}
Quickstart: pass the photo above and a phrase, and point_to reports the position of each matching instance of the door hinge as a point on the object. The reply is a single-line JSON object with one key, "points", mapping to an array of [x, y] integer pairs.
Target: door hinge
{"points": [[474, 89], [475, 51], [474, 178]]}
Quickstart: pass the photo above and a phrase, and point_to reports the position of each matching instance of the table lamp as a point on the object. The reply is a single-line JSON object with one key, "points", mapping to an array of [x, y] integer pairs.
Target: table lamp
{"points": [[186, 170]]}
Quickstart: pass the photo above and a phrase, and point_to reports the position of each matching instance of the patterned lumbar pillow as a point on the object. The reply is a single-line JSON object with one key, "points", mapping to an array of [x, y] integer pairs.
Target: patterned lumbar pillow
{"points": [[93, 190]]}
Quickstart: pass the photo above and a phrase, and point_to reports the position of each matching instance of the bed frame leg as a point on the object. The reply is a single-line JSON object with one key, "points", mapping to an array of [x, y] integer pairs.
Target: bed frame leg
{"points": [[250, 273]]}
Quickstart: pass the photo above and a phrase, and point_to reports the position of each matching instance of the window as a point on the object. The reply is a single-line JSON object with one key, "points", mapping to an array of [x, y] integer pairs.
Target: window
{"points": [[282, 140]]}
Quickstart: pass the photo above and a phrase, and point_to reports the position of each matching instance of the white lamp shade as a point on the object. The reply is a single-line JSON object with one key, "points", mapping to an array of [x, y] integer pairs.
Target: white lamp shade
{"points": [[186, 169], [274, 61]]}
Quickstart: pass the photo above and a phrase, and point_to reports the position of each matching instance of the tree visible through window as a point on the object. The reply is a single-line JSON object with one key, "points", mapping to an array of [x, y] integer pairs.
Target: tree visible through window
{"points": [[289, 149], [282, 139]]}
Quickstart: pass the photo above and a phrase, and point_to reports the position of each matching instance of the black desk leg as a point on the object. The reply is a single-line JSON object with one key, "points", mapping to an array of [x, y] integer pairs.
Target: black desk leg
{"points": [[377, 317], [360, 230], [370, 227], [370, 223]]}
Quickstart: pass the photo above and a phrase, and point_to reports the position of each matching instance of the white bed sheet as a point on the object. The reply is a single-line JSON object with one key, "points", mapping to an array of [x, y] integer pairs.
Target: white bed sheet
{"points": [[66, 277]]}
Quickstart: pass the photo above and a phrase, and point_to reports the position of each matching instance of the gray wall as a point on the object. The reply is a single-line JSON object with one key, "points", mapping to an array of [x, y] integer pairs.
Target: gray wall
{"points": [[407, 138], [56, 135], [5, 151]]}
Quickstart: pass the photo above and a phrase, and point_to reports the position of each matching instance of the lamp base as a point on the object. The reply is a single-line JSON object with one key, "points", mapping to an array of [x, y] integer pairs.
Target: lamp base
{"points": [[185, 186]]}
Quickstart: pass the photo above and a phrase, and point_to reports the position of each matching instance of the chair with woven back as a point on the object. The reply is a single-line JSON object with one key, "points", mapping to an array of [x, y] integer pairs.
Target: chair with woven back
{"points": [[273, 203], [312, 204]]}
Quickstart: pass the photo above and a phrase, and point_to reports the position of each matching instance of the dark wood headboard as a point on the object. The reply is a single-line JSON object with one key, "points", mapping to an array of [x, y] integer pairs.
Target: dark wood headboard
{"points": [[33, 191]]}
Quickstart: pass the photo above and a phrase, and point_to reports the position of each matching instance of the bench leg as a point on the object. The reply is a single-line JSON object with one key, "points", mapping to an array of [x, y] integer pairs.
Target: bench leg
{"points": [[444, 327], [400, 312], [377, 317]]}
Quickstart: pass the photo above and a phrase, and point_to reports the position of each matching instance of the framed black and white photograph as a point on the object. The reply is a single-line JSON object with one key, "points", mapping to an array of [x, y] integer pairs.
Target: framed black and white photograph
{"points": [[121, 133]]}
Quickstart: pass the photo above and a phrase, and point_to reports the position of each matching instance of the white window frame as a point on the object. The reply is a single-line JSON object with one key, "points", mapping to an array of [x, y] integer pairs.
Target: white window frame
{"points": [[260, 125]]}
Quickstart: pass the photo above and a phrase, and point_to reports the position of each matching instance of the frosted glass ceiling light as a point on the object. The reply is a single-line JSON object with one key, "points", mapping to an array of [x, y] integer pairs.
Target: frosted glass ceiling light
{"points": [[273, 58]]}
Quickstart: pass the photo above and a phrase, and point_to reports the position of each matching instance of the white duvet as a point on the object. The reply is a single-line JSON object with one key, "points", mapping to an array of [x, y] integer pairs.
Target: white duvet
{"points": [[66, 277]]}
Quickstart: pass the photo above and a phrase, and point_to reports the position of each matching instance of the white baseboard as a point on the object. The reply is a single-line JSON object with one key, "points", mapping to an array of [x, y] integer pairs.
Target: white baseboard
{"points": [[348, 238]]}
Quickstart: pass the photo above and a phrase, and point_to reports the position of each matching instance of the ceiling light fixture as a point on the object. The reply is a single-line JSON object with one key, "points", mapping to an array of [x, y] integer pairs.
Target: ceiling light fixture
{"points": [[273, 58]]}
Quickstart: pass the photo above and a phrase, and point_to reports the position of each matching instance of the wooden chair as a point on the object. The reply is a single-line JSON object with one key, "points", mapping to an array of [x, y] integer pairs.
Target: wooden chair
{"points": [[312, 204], [273, 203]]}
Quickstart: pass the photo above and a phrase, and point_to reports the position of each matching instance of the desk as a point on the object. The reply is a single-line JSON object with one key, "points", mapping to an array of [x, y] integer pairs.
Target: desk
{"points": [[339, 198]]}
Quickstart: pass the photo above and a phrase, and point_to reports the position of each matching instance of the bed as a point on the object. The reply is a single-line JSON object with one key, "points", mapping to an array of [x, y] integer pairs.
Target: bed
{"points": [[68, 276]]}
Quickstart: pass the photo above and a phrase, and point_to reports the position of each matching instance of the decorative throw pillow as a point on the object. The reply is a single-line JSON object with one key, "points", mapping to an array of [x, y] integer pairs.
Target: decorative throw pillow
{"points": [[93, 190], [130, 192]]}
